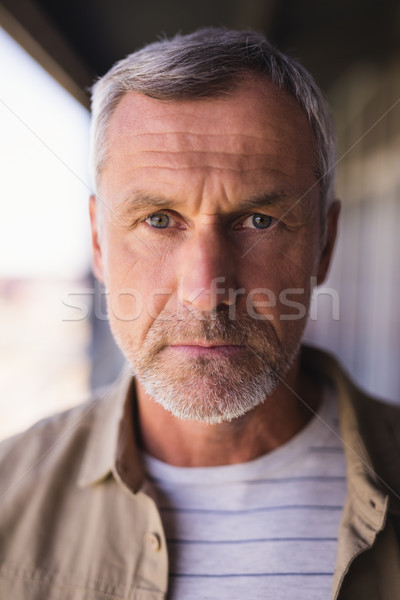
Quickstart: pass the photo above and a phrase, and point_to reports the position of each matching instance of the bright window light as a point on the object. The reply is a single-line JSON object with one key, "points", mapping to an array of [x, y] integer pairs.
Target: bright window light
{"points": [[44, 241], [44, 183]]}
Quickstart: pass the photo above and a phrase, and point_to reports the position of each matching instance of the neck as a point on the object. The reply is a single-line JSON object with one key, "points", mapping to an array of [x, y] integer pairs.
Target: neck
{"points": [[196, 444]]}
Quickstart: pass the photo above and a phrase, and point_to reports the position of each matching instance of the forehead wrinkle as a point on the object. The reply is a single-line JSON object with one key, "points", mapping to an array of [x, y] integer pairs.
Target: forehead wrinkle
{"points": [[207, 168], [195, 151], [198, 159], [222, 145], [221, 156], [195, 134], [223, 142]]}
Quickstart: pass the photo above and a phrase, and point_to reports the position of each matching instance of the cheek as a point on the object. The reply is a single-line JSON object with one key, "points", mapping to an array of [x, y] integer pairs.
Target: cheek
{"points": [[138, 283], [278, 282]]}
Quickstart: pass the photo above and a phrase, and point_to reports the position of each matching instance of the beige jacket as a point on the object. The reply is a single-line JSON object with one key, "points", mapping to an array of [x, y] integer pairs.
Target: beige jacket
{"points": [[77, 521]]}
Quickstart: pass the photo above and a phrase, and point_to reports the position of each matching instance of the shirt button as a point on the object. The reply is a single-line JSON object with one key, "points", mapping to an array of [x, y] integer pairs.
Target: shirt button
{"points": [[153, 540]]}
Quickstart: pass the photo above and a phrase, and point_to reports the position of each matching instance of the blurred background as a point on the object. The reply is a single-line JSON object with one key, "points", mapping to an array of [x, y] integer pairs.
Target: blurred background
{"points": [[54, 338]]}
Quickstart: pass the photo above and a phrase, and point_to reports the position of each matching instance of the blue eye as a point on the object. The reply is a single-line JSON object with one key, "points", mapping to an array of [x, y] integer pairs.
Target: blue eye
{"points": [[258, 221], [261, 221], [158, 220]]}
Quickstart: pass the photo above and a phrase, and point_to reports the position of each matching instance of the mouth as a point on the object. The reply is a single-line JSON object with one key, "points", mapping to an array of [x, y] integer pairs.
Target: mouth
{"points": [[206, 349]]}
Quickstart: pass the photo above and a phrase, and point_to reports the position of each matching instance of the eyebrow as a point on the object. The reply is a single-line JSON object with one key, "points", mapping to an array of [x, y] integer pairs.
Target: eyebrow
{"points": [[278, 198], [138, 202]]}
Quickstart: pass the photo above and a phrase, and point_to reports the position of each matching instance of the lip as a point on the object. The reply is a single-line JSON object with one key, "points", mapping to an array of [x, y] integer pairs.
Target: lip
{"points": [[201, 349]]}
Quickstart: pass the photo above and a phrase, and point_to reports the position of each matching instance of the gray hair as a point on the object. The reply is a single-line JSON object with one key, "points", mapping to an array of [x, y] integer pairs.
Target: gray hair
{"points": [[209, 63]]}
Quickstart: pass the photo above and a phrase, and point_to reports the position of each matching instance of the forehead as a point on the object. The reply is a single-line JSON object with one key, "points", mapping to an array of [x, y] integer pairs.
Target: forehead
{"points": [[257, 131]]}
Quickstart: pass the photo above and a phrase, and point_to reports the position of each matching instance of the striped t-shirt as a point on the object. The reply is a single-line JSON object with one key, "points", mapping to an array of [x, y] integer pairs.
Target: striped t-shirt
{"points": [[261, 529]]}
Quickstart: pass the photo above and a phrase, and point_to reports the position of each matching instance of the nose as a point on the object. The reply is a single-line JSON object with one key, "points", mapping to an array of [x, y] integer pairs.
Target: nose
{"points": [[208, 271]]}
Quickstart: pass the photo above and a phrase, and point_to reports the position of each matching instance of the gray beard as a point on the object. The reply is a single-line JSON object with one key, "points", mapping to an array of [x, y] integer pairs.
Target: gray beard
{"points": [[212, 389], [225, 393]]}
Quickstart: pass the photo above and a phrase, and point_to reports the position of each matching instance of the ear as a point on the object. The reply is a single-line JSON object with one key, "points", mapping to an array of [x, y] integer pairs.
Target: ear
{"points": [[329, 242], [98, 268]]}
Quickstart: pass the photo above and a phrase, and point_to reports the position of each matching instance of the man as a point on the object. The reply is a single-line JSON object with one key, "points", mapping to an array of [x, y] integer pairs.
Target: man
{"points": [[219, 470]]}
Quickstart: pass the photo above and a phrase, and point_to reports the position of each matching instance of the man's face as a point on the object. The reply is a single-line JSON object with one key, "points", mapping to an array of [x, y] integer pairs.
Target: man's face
{"points": [[209, 235]]}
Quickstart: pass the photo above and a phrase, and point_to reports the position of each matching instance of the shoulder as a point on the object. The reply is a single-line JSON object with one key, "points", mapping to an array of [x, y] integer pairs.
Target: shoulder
{"points": [[51, 426], [42, 446], [58, 448]]}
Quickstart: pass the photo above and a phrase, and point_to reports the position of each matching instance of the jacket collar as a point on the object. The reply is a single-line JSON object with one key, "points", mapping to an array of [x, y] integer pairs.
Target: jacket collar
{"points": [[112, 447], [368, 429]]}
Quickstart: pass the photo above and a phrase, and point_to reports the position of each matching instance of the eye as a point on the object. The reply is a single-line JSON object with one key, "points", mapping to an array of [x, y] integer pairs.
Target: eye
{"points": [[158, 220], [258, 221]]}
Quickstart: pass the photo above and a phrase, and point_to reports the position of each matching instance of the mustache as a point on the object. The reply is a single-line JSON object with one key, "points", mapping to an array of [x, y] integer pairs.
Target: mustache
{"points": [[217, 327]]}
